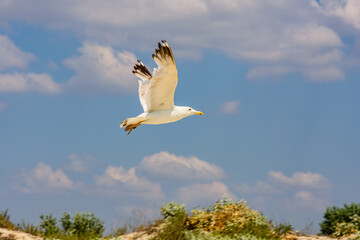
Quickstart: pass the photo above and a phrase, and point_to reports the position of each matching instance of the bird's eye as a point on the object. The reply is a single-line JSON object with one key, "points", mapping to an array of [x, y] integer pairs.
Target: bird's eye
{"points": [[189, 109]]}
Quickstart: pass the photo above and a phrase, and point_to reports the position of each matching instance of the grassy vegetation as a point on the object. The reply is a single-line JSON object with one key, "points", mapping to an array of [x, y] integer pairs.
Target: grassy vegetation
{"points": [[341, 222], [81, 226], [5, 220], [224, 220]]}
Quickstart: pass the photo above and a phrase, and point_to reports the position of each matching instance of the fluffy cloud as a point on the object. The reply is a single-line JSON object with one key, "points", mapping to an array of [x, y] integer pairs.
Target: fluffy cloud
{"points": [[164, 164], [347, 10], [260, 187], [24, 82], [264, 71], [81, 162], [200, 192], [300, 179], [306, 199], [2, 106], [305, 190], [43, 179], [230, 107], [11, 55], [118, 181], [288, 38], [101, 68]]}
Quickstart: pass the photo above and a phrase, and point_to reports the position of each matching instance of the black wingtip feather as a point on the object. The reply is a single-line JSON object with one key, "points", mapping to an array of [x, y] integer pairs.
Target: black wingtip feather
{"points": [[140, 68], [163, 51]]}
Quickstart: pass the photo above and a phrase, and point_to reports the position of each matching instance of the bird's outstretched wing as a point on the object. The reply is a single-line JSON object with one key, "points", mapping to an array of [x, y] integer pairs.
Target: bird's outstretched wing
{"points": [[156, 92], [144, 77]]}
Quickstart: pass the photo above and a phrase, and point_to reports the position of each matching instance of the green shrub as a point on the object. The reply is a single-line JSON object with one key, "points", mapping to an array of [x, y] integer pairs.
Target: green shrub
{"points": [[173, 223], [24, 227], [81, 226], [28, 228], [341, 221], [118, 231], [172, 209], [283, 228], [49, 226], [86, 225], [347, 228], [223, 220], [232, 219], [5, 220]]}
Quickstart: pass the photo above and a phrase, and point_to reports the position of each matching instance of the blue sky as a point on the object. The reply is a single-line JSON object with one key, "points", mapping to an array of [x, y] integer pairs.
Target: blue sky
{"points": [[278, 82]]}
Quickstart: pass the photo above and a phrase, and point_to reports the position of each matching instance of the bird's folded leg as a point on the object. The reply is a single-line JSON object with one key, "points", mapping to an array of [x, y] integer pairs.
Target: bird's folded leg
{"points": [[131, 127]]}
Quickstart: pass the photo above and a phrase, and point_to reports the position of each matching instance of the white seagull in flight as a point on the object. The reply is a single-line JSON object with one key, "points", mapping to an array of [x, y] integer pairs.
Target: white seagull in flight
{"points": [[156, 92]]}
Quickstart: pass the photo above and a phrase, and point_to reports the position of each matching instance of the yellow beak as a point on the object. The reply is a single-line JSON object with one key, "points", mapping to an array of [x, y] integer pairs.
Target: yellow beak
{"points": [[199, 113]]}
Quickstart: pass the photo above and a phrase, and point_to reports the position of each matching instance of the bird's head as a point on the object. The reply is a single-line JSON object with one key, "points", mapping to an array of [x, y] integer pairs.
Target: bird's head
{"points": [[188, 111]]}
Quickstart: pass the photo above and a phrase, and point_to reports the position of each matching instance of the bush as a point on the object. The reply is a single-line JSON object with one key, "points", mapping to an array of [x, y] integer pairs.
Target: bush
{"points": [[28, 228], [223, 220], [5, 220], [232, 219], [174, 222], [283, 228], [24, 227], [81, 226], [341, 221], [49, 226], [172, 209]]}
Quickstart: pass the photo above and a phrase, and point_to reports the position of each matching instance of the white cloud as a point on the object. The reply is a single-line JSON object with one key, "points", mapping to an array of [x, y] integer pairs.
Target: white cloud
{"points": [[260, 187], [289, 36], [209, 192], [101, 69], [306, 199], [81, 162], [300, 48], [52, 65], [326, 74], [2, 106], [118, 181], [25, 82], [347, 10], [230, 107], [266, 71], [314, 36], [11, 55], [43, 179], [307, 190], [301, 179], [168, 165], [87, 15]]}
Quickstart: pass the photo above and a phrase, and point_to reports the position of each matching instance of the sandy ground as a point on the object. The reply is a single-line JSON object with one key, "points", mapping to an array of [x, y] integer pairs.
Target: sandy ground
{"points": [[137, 236], [9, 234], [314, 238]]}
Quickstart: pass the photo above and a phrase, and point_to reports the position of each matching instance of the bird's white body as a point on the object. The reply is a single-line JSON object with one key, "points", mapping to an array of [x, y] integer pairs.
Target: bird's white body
{"points": [[163, 116], [156, 92]]}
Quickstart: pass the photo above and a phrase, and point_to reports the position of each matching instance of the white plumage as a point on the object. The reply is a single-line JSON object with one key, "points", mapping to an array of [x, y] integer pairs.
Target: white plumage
{"points": [[156, 91]]}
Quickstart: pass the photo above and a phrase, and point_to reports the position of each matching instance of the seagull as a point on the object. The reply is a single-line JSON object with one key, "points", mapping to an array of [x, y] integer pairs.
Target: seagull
{"points": [[156, 92]]}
